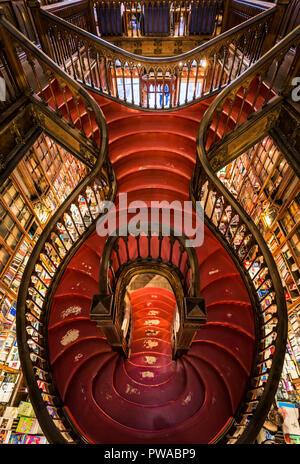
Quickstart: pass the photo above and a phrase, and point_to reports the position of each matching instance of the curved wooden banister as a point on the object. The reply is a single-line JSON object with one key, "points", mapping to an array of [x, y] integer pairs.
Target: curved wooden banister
{"points": [[113, 72], [236, 230], [228, 35], [188, 258]]}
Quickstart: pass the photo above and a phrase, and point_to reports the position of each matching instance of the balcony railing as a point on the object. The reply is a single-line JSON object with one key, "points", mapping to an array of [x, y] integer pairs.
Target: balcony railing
{"points": [[92, 61], [146, 18], [241, 10]]}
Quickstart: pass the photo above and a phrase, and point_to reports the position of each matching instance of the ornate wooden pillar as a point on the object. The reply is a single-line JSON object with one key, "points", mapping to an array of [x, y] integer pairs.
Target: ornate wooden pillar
{"points": [[93, 25]]}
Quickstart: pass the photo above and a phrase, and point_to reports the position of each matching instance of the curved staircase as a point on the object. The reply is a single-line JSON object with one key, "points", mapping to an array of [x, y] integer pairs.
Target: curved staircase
{"points": [[81, 389], [150, 398]]}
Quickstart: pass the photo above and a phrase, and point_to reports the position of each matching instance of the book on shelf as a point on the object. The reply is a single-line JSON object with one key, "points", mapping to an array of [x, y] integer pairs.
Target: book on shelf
{"points": [[15, 364], [35, 440], [11, 315], [26, 439], [6, 423], [25, 409], [294, 267], [6, 390], [10, 412], [16, 268], [292, 439]]}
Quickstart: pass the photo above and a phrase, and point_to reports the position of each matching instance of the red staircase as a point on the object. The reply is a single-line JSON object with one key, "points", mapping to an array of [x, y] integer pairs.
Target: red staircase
{"points": [[149, 398]]}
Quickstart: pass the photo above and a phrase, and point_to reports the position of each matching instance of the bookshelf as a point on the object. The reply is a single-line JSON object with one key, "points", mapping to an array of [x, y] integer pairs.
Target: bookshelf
{"points": [[28, 198], [266, 186]]}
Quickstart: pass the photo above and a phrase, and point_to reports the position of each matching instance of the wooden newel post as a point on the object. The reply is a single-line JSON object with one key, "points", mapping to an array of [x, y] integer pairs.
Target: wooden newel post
{"points": [[225, 15], [12, 57], [35, 8]]}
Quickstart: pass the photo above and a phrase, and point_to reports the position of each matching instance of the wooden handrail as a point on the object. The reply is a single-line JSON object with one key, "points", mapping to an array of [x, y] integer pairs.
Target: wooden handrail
{"points": [[271, 72], [78, 12], [160, 60], [188, 256]]}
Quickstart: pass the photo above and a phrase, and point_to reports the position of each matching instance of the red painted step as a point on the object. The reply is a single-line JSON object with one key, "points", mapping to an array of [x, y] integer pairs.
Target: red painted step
{"points": [[143, 416]]}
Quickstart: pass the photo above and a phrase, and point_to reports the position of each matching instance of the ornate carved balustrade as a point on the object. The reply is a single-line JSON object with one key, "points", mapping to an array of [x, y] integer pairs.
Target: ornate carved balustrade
{"points": [[241, 10], [287, 16], [200, 18], [191, 21], [139, 27], [291, 18], [150, 252], [152, 83], [77, 12]]}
